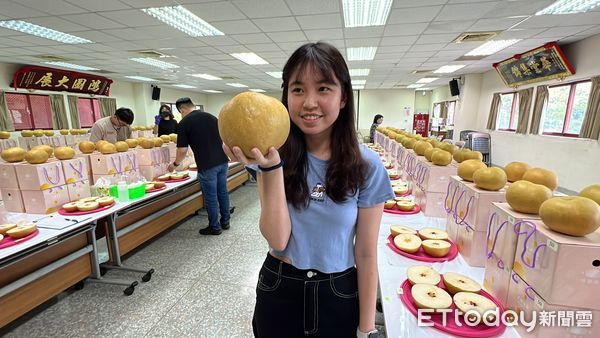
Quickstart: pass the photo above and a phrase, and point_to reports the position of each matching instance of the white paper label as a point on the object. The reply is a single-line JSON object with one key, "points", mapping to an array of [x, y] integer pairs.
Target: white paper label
{"points": [[552, 245], [539, 303], [511, 220]]}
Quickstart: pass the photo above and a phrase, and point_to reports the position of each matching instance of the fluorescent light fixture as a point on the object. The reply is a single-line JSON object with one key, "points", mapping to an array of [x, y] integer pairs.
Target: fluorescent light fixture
{"points": [[427, 79], [415, 85], [68, 65], [422, 88], [492, 47], [569, 7], [363, 13], [155, 63], [212, 91], [256, 90], [358, 87], [361, 53], [207, 76], [250, 58], [359, 82], [42, 32], [448, 69], [140, 78], [237, 85], [184, 86], [184, 20], [277, 75], [359, 72]]}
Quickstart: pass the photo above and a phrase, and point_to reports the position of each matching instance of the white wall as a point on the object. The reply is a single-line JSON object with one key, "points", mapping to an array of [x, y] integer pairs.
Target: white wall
{"points": [[467, 109], [389, 103], [575, 161]]}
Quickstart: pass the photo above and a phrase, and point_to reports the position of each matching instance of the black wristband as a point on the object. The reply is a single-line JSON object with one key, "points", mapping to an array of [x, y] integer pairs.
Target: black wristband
{"points": [[278, 165]]}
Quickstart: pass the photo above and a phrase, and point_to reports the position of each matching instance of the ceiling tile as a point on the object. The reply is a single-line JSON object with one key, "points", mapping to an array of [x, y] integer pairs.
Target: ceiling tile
{"points": [[428, 47], [262, 8], [444, 27], [287, 36], [148, 3], [14, 10], [505, 9], [324, 34], [216, 11], [93, 21], [131, 18], [468, 11], [276, 24], [236, 27], [413, 14], [411, 3], [95, 5], [483, 25], [306, 7], [405, 29], [363, 32], [561, 32], [58, 24], [437, 38], [54, 7], [322, 21], [398, 40], [251, 38], [263, 47]]}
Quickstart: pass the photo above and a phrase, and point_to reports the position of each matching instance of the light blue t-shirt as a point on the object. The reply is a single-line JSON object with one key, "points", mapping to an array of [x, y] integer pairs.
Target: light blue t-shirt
{"points": [[323, 234]]}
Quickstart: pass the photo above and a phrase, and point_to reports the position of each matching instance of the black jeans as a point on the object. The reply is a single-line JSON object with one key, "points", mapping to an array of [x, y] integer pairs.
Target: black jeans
{"points": [[305, 303]]}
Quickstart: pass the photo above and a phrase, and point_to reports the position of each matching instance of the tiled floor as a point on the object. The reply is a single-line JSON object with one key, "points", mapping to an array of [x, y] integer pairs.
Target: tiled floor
{"points": [[204, 286]]}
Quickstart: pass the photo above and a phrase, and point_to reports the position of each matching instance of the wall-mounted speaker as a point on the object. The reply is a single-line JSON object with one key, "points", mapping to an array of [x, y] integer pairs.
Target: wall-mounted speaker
{"points": [[155, 93], [454, 91]]}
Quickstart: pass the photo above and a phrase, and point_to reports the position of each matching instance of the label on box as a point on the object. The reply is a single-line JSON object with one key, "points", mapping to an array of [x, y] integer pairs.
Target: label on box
{"points": [[539, 303], [511, 220], [552, 245]]}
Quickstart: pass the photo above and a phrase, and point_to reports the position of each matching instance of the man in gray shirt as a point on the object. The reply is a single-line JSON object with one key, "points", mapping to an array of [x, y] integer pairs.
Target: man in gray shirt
{"points": [[113, 128]]}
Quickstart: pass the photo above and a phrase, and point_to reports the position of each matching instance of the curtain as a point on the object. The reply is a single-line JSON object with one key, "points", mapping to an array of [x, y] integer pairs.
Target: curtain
{"points": [[6, 122], [74, 112], [59, 113], [525, 97], [591, 123], [444, 110], [108, 106], [491, 124], [541, 98]]}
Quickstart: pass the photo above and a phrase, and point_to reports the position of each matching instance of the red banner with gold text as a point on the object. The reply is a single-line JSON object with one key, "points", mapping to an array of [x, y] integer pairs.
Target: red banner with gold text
{"points": [[42, 78]]}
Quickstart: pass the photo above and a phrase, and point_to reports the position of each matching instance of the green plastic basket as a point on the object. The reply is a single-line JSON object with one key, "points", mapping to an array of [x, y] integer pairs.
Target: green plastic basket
{"points": [[135, 191]]}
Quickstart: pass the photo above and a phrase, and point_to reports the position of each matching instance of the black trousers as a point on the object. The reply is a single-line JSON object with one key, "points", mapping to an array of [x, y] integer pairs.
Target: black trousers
{"points": [[305, 303]]}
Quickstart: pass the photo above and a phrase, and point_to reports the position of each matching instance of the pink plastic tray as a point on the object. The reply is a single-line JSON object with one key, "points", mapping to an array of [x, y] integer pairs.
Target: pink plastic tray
{"points": [[395, 179], [63, 212], [479, 331], [156, 189], [7, 241], [178, 180], [416, 210], [421, 255]]}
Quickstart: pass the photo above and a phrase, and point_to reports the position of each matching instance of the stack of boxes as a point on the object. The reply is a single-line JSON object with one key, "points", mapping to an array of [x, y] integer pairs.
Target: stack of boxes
{"points": [[30, 142], [558, 274], [430, 185], [77, 177], [472, 215], [451, 199], [113, 166], [74, 140], [153, 162], [8, 143]]}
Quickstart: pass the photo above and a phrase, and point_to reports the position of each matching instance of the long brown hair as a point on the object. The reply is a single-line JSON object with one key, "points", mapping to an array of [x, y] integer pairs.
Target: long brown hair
{"points": [[346, 169]]}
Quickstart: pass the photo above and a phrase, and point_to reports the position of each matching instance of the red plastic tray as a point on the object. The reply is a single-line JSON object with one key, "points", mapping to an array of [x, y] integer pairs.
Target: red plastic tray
{"points": [[8, 242], [63, 212], [479, 331], [156, 189], [416, 210], [405, 194], [178, 180], [421, 255]]}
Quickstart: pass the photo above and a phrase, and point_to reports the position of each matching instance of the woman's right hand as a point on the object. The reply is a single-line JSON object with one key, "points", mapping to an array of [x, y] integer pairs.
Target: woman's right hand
{"points": [[237, 155]]}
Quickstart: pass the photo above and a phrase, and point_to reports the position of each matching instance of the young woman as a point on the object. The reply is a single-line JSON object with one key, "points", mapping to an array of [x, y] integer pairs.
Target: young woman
{"points": [[164, 122], [321, 200], [377, 121]]}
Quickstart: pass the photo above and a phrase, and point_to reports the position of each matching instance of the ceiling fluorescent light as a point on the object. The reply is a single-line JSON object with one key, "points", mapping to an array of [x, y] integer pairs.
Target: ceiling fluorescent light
{"points": [[68, 65], [212, 91], [155, 63], [42, 32], [360, 72], [207, 76], [184, 86], [358, 87], [361, 53], [363, 13], [184, 20], [448, 69], [277, 75], [256, 90], [492, 47], [237, 85], [569, 7], [423, 88], [359, 82], [250, 58], [141, 78], [415, 85], [427, 79]]}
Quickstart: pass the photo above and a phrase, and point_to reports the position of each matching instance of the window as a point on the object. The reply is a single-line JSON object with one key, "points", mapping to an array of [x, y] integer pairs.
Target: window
{"points": [[29, 111], [437, 109], [451, 109], [89, 111], [566, 109], [508, 114]]}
